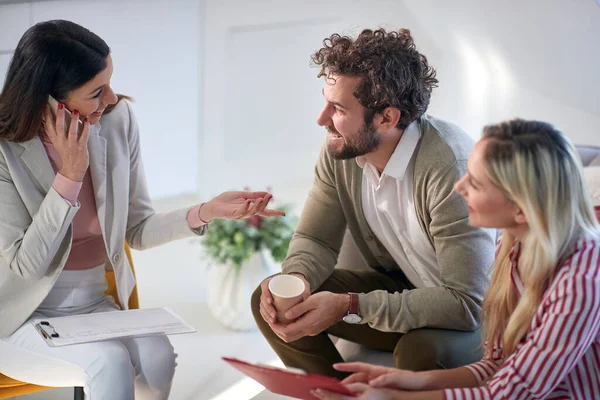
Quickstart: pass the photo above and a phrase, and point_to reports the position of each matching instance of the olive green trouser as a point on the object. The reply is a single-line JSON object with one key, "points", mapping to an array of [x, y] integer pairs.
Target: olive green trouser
{"points": [[417, 350]]}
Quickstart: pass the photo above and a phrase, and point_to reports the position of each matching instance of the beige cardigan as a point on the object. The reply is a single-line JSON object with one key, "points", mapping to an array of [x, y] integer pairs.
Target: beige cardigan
{"points": [[464, 253], [35, 221]]}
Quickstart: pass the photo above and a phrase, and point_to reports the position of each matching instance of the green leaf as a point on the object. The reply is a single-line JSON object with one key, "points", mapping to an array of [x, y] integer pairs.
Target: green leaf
{"points": [[233, 242]]}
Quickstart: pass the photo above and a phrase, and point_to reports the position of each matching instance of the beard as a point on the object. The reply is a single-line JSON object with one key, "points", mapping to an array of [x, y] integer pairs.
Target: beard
{"points": [[359, 143]]}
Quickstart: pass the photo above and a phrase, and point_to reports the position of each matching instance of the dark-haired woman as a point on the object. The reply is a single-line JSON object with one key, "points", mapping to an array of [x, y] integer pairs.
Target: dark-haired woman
{"points": [[69, 201]]}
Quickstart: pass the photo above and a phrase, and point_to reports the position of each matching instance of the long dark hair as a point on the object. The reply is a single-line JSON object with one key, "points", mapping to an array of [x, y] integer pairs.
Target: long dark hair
{"points": [[52, 58]]}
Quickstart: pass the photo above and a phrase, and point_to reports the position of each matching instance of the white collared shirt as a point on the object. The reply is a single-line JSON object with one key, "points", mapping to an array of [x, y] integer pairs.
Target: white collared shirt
{"points": [[389, 209]]}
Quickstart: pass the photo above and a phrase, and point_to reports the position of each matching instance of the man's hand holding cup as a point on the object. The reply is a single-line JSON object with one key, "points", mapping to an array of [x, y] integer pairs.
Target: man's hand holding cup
{"points": [[279, 294]]}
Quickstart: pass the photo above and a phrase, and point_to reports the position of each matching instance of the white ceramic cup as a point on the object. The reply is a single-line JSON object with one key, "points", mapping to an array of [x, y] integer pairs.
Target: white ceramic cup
{"points": [[287, 292]]}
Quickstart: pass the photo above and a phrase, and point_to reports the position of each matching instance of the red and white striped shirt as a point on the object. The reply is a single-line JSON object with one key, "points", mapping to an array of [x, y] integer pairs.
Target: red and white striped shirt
{"points": [[559, 358]]}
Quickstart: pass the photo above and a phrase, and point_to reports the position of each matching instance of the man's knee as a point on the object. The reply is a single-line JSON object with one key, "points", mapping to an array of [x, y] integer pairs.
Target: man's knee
{"points": [[255, 303], [427, 349]]}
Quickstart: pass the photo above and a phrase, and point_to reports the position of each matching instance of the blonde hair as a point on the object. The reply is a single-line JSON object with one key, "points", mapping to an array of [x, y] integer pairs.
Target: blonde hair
{"points": [[539, 170]]}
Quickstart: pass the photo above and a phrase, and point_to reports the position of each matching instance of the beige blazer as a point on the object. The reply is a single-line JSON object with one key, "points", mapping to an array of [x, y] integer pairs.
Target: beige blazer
{"points": [[36, 222]]}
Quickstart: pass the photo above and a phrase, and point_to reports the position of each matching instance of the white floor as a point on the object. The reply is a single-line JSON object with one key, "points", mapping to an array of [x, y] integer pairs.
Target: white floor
{"points": [[201, 374], [174, 275]]}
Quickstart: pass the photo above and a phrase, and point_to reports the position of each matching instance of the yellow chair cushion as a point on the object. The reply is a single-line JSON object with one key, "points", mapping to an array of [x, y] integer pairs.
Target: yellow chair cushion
{"points": [[10, 387], [112, 286]]}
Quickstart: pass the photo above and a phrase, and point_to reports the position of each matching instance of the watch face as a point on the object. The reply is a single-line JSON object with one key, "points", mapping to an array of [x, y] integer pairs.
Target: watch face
{"points": [[352, 319]]}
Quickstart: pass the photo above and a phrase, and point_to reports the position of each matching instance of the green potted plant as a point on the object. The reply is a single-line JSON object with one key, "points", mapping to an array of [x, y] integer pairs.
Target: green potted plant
{"points": [[241, 254]]}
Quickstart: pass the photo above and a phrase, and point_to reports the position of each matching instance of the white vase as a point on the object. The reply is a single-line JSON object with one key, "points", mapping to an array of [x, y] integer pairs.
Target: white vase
{"points": [[230, 290]]}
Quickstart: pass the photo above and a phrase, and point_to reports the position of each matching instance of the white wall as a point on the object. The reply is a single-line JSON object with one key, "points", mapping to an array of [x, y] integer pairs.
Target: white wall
{"points": [[156, 53], [495, 60], [535, 59], [261, 97], [224, 87], [226, 98]]}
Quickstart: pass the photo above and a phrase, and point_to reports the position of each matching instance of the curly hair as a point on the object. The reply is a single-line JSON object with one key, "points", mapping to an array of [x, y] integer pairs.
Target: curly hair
{"points": [[393, 72]]}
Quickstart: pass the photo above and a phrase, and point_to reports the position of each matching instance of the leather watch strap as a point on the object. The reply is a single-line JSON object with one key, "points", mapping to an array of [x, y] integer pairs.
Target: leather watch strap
{"points": [[353, 304]]}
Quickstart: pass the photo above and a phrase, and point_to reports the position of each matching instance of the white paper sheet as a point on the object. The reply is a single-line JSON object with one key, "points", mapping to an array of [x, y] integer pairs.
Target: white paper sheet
{"points": [[110, 325]]}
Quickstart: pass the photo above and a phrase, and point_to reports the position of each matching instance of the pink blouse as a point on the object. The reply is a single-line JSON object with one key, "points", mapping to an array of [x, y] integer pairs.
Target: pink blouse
{"points": [[88, 249]]}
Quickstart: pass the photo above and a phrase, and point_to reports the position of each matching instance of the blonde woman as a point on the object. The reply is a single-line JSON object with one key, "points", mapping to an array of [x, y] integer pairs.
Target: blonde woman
{"points": [[542, 310]]}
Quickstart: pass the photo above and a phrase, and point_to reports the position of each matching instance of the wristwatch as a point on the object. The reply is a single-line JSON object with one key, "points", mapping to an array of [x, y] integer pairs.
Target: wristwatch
{"points": [[353, 316]]}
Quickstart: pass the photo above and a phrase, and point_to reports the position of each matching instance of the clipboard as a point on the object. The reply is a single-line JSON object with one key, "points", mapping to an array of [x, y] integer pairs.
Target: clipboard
{"points": [[293, 383], [95, 327]]}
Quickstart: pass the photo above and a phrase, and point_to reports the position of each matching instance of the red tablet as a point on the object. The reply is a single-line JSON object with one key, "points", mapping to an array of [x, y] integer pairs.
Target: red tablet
{"points": [[289, 383]]}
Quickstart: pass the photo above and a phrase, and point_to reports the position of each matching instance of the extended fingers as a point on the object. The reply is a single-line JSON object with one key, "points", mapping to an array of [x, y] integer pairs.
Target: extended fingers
{"points": [[353, 367], [272, 213], [358, 387], [356, 377], [327, 395], [390, 380], [264, 204], [253, 195], [258, 203]]}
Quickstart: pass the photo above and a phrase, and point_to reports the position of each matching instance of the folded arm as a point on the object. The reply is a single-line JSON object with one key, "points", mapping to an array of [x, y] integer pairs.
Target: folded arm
{"points": [[29, 244]]}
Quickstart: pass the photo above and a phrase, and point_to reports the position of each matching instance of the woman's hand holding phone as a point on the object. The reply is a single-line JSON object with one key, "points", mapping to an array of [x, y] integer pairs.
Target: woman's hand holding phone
{"points": [[71, 147]]}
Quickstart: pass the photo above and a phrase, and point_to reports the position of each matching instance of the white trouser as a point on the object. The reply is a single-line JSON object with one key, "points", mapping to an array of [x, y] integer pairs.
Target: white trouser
{"points": [[140, 368]]}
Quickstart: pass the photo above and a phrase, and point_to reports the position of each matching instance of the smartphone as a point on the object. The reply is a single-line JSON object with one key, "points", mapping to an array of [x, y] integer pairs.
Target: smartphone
{"points": [[54, 107]]}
